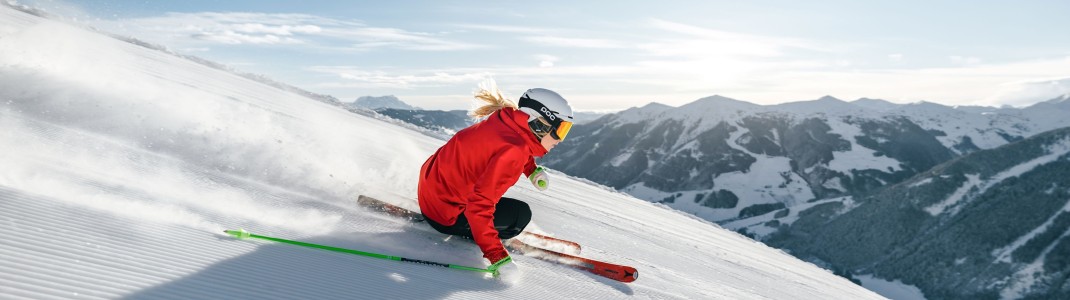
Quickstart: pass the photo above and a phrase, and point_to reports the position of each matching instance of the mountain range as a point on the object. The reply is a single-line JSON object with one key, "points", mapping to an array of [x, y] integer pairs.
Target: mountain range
{"points": [[381, 102], [992, 224], [962, 202], [724, 159]]}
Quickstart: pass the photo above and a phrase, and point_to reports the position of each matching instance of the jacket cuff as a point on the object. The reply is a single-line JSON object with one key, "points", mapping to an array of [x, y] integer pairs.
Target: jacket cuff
{"points": [[496, 255]]}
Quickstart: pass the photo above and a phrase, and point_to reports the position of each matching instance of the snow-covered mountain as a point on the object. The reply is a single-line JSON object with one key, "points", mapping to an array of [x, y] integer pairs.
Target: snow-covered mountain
{"points": [[724, 159], [991, 224], [797, 175], [120, 165], [448, 121], [381, 102], [583, 117]]}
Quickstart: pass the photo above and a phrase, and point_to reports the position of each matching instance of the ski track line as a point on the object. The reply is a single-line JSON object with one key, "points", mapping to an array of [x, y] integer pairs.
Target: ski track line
{"points": [[283, 266], [93, 259], [111, 277], [22, 290], [74, 231], [71, 267], [134, 273], [145, 260], [65, 284], [150, 260], [39, 245], [50, 284], [157, 266]]}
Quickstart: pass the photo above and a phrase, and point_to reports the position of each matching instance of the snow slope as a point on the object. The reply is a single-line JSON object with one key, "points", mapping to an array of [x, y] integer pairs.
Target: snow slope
{"points": [[122, 165]]}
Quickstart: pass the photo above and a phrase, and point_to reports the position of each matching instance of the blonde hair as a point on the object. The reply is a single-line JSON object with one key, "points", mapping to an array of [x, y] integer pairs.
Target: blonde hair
{"points": [[491, 98]]}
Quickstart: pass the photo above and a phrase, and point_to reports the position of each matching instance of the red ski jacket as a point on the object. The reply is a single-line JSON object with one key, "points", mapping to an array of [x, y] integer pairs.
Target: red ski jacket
{"points": [[472, 171]]}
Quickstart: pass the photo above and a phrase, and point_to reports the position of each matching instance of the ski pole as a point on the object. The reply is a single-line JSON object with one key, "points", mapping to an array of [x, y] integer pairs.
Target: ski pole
{"points": [[242, 234]]}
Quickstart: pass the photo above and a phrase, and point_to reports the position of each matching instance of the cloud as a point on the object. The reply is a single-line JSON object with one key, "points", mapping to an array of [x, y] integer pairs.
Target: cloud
{"points": [[1015, 83], [286, 30], [550, 37], [189, 30], [355, 77], [503, 28], [255, 33], [421, 78], [1027, 92], [545, 60], [569, 42], [230, 37], [694, 41], [369, 38], [897, 57]]}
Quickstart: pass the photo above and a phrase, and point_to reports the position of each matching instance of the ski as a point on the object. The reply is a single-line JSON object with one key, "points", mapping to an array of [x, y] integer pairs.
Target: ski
{"points": [[416, 217], [612, 271], [575, 247], [608, 270], [390, 209]]}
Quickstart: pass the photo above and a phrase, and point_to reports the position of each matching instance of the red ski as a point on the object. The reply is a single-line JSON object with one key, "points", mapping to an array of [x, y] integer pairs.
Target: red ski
{"points": [[612, 271], [604, 269]]}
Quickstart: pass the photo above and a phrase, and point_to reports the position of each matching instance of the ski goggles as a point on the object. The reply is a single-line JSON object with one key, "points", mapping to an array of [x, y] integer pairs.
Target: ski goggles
{"points": [[541, 127], [559, 128]]}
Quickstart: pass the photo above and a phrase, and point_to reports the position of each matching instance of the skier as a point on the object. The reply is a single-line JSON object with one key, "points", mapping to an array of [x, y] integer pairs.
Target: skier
{"points": [[461, 185]]}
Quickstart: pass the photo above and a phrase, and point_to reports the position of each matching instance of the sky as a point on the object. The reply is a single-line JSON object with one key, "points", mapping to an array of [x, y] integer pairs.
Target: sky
{"points": [[612, 55]]}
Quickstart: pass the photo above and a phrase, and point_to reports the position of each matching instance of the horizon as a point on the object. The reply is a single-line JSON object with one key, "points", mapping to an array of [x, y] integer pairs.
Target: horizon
{"points": [[433, 55], [610, 111]]}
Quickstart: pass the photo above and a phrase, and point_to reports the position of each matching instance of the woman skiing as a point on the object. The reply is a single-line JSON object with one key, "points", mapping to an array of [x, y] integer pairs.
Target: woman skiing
{"points": [[461, 185]]}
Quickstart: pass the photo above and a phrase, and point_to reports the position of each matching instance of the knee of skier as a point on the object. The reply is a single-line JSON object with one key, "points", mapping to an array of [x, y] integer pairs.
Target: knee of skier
{"points": [[520, 215], [508, 233], [523, 216]]}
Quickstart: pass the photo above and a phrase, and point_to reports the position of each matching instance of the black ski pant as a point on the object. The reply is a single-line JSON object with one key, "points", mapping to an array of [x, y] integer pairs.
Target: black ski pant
{"points": [[510, 218]]}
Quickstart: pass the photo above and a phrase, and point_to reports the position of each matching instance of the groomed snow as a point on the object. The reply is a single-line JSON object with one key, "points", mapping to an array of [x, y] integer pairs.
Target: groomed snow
{"points": [[122, 165], [895, 290]]}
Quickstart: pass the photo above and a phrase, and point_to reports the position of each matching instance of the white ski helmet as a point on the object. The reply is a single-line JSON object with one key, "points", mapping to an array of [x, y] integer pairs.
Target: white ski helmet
{"points": [[551, 107]]}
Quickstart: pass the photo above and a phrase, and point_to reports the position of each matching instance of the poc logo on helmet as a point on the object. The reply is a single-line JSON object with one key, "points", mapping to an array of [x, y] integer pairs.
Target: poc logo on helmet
{"points": [[549, 114]]}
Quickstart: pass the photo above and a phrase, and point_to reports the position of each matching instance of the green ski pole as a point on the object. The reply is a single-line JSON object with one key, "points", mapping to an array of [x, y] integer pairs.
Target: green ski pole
{"points": [[242, 234]]}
